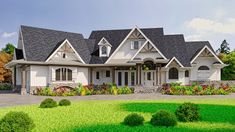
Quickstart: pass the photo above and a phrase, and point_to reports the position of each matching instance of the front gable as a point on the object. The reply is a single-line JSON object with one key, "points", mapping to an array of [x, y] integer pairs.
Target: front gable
{"points": [[147, 51], [206, 52], [65, 52], [174, 62], [127, 49]]}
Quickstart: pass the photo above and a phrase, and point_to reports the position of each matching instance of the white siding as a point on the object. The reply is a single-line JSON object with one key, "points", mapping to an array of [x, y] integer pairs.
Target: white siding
{"points": [[82, 75], [38, 75], [125, 52], [214, 73], [102, 73], [18, 76]]}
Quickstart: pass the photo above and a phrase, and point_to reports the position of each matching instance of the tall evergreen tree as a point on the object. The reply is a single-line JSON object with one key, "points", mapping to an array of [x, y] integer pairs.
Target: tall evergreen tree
{"points": [[9, 49], [224, 48]]}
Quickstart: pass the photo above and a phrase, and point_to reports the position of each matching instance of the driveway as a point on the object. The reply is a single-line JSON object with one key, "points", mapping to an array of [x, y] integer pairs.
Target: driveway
{"points": [[16, 99]]}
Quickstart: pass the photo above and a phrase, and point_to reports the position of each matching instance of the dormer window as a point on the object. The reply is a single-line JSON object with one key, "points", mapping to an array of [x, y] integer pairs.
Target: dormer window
{"points": [[104, 48]]}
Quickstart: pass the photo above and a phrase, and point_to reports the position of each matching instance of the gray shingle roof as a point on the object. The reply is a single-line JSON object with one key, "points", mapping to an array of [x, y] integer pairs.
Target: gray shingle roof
{"points": [[40, 43]]}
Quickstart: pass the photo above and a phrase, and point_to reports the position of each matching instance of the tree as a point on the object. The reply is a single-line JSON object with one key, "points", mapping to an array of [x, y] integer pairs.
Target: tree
{"points": [[5, 74], [228, 72], [224, 48], [9, 48]]}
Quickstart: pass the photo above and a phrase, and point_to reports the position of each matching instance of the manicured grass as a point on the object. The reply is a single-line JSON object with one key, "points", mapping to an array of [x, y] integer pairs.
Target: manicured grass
{"points": [[216, 115]]}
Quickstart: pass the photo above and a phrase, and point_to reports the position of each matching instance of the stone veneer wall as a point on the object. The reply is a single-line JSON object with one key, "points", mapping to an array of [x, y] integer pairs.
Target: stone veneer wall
{"points": [[216, 83]]}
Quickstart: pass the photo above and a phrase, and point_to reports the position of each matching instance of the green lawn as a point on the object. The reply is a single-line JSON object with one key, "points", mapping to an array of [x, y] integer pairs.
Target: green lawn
{"points": [[216, 115]]}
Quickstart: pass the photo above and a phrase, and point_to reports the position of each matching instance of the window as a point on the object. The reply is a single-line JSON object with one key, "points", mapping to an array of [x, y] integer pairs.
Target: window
{"points": [[119, 78], [126, 78], [64, 55], [136, 44], [186, 74], [132, 78], [97, 75], [148, 76], [104, 50], [107, 73], [173, 73], [203, 68], [63, 74]]}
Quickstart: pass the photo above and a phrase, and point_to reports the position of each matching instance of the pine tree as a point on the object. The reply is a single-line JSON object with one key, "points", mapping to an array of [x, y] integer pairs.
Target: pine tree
{"points": [[224, 48]]}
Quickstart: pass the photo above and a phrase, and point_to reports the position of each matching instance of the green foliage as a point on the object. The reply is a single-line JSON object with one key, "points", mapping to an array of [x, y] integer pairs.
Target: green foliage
{"points": [[9, 49], [16, 122], [106, 115], [188, 112], [124, 90], [196, 89], [228, 72], [224, 48], [163, 118], [134, 119], [64, 102], [5, 86], [48, 103]]}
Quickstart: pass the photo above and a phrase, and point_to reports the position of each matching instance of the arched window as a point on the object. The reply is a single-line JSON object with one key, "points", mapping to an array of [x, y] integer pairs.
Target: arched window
{"points": [[63, 74], [203, 68], [173, 73], [104, 50], [186, 74]]}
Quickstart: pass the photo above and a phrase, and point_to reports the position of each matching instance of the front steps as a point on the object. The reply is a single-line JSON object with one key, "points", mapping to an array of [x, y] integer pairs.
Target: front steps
{"points": [[147, 89]]}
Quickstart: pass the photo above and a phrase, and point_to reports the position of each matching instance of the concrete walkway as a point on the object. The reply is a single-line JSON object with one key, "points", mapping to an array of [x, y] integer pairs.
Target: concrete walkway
{"points": [[16, 99]]}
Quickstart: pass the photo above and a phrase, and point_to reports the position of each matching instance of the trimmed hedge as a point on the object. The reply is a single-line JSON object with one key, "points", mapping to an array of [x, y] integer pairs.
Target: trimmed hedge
{"points": [[163, 118], [134, 119], [48, 103], [188, 112], [64, 102], [16, 122]]}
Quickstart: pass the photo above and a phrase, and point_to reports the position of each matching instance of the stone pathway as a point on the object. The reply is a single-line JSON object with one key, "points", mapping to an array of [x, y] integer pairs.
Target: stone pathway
{"points": [[16, 99]]}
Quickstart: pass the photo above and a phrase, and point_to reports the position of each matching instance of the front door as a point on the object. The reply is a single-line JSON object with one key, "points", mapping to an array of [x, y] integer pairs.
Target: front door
{"points": [[149, 78]]}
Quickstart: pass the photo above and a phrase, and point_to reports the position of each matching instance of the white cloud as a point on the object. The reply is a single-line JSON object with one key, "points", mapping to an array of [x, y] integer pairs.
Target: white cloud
{"points": [[195, 37], [212, 26], [8, 35]]}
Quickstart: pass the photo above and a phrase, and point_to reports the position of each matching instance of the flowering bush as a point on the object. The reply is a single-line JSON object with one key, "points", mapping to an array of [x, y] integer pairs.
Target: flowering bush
{"points": [[90, 89], [195, 89]]}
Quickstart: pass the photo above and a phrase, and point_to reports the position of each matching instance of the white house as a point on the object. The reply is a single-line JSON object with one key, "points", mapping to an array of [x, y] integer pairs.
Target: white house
{"points": [[142, 57]]}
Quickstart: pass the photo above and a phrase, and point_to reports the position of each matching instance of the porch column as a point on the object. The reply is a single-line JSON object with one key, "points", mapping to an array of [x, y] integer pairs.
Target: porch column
{"points": [[23, 81], [160, 75], [140, 74], [113, 74], [157, 76]]}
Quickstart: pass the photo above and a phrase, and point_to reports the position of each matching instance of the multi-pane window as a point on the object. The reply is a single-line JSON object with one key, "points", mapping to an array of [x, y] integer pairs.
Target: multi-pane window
{"points": [[63, 74], [173, 73]]}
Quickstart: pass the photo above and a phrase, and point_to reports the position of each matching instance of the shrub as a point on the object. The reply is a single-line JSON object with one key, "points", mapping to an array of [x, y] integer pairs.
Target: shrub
{"points": [[134, 119], [16, 122], [163, 118], [187, 112], [124, 90], [5, 86], [48, 103], [64, 102]]}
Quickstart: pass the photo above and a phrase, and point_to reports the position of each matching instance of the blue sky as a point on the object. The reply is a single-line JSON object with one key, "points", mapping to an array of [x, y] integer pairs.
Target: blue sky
{"points": [[212, 20]]}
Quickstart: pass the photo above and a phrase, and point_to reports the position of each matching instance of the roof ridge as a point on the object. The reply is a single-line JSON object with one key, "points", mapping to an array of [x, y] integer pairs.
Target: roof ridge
{"points": [[49, 29]]}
